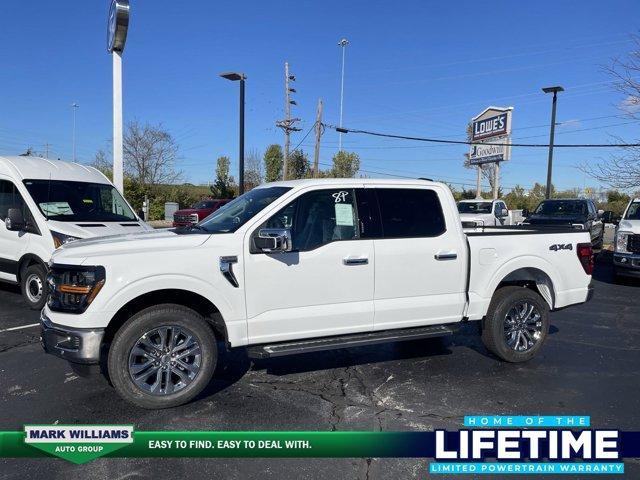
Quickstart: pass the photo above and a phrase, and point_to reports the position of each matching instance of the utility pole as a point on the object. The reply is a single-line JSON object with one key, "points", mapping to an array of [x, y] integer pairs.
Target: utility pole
{"points": [[75, 106], [46, 150], [555, 91], [342, 43], [287, 124], [316, 151]]}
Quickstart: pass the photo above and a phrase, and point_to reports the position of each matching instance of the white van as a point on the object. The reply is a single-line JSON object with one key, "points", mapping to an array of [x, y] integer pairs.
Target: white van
{"points": [[47, 203]]}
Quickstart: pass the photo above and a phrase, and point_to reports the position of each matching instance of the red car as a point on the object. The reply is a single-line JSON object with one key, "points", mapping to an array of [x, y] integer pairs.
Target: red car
{"points": [[190, 216]]}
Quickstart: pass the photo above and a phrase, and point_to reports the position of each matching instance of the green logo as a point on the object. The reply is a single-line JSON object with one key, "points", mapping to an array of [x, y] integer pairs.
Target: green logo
{"points": [[78, 443]]}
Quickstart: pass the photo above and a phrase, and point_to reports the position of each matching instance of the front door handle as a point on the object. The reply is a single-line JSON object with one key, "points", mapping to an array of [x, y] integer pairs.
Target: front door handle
{"points": [[452, 255], [355, 261]]}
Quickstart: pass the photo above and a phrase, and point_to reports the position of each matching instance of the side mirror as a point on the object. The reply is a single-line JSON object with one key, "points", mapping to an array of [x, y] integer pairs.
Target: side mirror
{"points": [[14, 220], [271, 240], [525, 212], [607, 217], [504, 212]]}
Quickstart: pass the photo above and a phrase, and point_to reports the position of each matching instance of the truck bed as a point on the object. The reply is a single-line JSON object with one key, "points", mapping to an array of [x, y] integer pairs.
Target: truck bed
{"points": [[546, 256]]}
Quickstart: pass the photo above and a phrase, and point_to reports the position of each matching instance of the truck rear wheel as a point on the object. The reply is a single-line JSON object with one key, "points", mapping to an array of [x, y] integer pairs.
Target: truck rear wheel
{"points": [[162, 357], [516, 324]]}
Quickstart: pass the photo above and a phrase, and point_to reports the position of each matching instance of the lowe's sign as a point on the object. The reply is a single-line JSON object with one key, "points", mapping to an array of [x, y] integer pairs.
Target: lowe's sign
{"points": [[491, 134], [490, 127]]}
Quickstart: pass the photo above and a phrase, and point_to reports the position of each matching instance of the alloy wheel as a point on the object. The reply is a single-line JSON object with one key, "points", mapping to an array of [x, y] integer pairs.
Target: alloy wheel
{"points": [[165, 360], [522, 327]]}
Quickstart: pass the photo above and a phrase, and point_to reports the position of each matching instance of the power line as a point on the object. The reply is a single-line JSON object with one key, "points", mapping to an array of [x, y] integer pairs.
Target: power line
{"points": [[462, 142]]}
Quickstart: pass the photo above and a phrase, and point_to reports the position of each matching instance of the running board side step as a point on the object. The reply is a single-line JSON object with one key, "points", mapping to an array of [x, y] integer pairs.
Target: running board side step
{"points": [[350, 340]]}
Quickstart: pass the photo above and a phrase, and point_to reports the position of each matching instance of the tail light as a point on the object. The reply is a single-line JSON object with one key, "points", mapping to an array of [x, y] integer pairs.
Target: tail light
{"points": [[585, 255]]}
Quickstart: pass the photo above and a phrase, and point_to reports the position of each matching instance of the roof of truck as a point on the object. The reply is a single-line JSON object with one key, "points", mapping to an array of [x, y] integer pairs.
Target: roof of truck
{"points": [[37, 168], [349, 181]]}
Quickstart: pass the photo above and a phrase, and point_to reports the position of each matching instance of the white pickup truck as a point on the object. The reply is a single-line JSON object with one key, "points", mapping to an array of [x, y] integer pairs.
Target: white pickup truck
{"points": [[301, 266], [480, 213]]}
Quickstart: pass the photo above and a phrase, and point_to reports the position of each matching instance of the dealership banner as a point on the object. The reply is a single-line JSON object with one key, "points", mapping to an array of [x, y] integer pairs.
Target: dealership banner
{"points": [[486, 445]]}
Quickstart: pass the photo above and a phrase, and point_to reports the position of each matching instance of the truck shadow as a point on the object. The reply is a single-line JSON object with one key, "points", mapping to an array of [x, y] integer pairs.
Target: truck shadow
{"points": [[603, 271], [234, 364]]}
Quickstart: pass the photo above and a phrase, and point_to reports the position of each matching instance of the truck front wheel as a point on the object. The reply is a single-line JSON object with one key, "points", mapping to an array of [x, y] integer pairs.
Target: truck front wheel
{"points": [[516, 324], [162, 357]]}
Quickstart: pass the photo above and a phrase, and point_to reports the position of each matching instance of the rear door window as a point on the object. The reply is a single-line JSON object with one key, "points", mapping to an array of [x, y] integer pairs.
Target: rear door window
{"points": [[410, 213]]}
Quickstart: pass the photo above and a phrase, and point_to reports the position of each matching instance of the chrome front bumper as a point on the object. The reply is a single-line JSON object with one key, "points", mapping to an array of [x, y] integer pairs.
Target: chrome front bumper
{"points": [[78, 345]]}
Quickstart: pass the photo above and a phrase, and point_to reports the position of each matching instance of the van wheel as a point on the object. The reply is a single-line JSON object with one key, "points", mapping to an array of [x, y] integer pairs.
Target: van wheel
{"points": [[516, 324], [162, 357], [33, 282]]}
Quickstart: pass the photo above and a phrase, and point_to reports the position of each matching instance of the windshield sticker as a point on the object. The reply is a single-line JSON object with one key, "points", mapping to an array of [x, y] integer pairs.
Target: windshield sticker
{"points": [[340, 196], [56, 208], [344, 214]]}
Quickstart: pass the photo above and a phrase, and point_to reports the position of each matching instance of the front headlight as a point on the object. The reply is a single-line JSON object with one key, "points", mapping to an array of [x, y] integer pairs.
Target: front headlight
{"points": [[622, 239], [72, 289], [60, 239]]}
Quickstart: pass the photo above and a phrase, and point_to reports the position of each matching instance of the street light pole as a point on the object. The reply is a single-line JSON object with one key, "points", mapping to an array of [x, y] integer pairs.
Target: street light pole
{"points": [[117, 27], [234, 77], [552, 133], [342, 43], [75, 106]]}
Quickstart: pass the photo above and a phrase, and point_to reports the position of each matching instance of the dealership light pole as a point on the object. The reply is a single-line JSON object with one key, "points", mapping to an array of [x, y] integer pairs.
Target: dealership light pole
{"points": [[234, 77], [555, 91], [75, 107], [117, 27], [342, 43]]}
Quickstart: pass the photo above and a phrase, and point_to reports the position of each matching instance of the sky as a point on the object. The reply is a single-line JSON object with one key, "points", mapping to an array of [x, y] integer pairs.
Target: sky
{"points": [[418, 68]]}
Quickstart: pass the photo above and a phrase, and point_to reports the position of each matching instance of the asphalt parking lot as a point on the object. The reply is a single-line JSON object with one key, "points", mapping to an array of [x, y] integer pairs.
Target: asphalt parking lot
{"points": [[589, 366]]}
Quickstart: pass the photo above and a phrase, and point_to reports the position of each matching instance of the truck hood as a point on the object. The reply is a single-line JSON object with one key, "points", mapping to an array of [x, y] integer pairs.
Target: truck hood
{"points": [[554, 220], [77, 252], [97, 229], [629, 226], [478, 219], [186, 211]]}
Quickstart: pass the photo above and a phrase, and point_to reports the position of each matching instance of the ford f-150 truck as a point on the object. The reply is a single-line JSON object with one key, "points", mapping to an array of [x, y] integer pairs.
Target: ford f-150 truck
{"points": [[626, 255], [301, 266], [479, 212]]}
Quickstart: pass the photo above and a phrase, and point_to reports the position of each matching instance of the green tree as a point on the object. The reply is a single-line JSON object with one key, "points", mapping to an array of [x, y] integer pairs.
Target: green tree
{"points": [[273, 159], [223, 187], [298, 165], [345, 164]]}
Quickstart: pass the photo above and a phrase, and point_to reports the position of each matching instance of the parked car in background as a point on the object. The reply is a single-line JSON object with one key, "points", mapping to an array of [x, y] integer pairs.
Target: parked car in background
{"points": [[578, 213], [303, 266], [45, 204], [626, 254], [201, 210], [483, 213]]}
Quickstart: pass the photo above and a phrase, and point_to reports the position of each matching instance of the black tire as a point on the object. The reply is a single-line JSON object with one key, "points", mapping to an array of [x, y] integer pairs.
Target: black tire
{"points": [[145, 321], [33, 282], [494, 334]]}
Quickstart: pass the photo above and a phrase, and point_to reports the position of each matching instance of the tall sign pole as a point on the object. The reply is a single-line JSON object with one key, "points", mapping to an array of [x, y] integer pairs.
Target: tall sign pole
{"points": [[117, 27]]}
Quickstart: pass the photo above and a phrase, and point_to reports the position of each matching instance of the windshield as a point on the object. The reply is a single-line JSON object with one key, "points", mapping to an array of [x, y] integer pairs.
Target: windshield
{"points": [[66, 201], [558, 207], [474, 207], [236, 213], [633, 212]]}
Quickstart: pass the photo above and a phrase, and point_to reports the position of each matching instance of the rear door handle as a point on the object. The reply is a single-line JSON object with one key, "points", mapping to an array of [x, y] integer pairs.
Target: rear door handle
{"points": [[355, 261], [446, 255]]}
